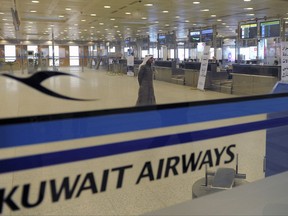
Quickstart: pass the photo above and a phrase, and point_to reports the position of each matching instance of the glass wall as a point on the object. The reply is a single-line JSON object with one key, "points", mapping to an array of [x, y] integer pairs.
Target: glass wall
{"points": [[74, 55], [56, 56], [10, 53]]}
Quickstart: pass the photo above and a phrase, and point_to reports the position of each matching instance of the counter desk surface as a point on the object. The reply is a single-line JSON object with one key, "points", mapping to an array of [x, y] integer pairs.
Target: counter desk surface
{"points": [[253, 69]]}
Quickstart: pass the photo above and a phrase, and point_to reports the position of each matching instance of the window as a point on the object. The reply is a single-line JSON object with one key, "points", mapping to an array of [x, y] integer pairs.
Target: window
{"points": [[10, 53], [74, 55], [56, 55]]}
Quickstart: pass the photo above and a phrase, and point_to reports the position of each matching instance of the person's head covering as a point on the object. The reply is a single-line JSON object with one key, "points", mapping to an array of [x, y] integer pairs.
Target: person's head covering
{"points": [[147, 57]]}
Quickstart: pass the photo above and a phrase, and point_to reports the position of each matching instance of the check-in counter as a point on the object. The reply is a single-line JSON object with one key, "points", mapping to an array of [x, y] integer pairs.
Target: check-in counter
{"points": [[192, 70], [9, 66], [163, 71], [254, 79], [123, 65]]}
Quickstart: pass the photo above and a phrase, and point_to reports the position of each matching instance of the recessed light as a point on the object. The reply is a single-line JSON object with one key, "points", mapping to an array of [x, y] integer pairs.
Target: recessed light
{"points": [[35, 2], [33, 11], [92, 14], [68, 9], [165, 11], [107, 6], [196, 2]]}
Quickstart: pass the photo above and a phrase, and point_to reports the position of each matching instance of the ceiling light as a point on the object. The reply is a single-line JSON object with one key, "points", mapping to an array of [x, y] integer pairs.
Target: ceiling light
{"points": [[248, 8], [128, 13], [35, 2], [196, 2], [112, 19], [148, 5], [107, 6], [92, 14], [205, 10], [33, 11], [165, 11], [67, 9]]}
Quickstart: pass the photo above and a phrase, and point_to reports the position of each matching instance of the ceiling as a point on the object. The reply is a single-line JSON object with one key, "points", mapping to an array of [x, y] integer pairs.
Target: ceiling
{"points": [[88, 20]]}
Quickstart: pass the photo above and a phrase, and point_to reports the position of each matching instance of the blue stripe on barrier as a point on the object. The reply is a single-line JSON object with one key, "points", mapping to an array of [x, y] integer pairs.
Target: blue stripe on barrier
{"points": [[76, 128], [68, 156]]}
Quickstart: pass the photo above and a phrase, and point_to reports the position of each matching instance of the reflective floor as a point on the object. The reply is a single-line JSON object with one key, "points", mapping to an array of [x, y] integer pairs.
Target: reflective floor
{"points": [[96, 89]]}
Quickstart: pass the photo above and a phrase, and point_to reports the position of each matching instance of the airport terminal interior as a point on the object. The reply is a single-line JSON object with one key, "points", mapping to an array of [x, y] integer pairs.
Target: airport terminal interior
{"points": [[74, 141]]}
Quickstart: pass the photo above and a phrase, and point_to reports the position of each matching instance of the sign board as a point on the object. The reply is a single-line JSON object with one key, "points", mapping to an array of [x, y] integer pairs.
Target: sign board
{"points": [[203, 69], [130, 60], [284, 61]]}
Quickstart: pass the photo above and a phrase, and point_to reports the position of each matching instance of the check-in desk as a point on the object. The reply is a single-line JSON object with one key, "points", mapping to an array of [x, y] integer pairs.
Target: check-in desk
{"points": [[192, 70], [163, 71], [254, 79]]}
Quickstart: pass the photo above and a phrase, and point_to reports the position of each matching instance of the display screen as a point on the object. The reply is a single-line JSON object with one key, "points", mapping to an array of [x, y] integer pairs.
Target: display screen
{"points": [[207, 35], [170, 39], [270, 29], [162, 39], [248, 31], [194, 36], [127, 40]]}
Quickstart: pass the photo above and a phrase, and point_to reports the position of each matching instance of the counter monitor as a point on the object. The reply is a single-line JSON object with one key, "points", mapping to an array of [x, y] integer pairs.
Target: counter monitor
{"points": [[270, 29], [207, 35], [194, 36], [248, 31]]}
